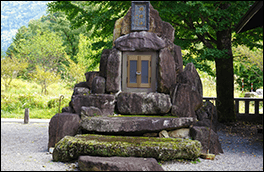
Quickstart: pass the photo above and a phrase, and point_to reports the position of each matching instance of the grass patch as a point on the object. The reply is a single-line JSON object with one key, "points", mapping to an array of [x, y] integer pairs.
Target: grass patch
{"points": [[24, 94]]}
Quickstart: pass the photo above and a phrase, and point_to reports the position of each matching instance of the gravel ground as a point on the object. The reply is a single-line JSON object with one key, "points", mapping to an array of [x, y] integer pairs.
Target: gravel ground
{"points": [[24, 147]]}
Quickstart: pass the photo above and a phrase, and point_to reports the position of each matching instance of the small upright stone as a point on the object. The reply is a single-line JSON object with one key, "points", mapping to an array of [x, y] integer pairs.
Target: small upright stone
{"points": [[89, 78], [103, 62], [26, 117]]}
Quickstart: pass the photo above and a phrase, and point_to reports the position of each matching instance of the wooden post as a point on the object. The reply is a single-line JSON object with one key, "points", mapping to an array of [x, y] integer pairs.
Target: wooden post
{"points": [[256, 107], [26, 117], [246, 107]]}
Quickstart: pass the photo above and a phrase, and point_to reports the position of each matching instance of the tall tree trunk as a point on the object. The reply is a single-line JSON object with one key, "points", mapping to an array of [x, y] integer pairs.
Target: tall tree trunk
{"points": [[225, 79]]}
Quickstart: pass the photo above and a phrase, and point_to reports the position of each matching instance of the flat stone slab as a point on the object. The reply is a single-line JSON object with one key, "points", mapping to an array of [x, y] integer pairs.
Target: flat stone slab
{"points": [[70, 148], [134, 125], [96, 163]]}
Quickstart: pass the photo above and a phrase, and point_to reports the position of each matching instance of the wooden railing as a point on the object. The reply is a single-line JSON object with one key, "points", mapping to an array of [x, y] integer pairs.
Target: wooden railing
{"points": [[256, 116]]}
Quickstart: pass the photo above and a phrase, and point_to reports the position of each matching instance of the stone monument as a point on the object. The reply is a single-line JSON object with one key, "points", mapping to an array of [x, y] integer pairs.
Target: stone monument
{"points": [[141, 75]]}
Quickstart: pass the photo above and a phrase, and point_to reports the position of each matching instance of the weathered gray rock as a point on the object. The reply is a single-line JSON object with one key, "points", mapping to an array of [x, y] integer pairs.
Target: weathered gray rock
{"points": [[166, 71], [185, 101], [134, 125], [206, 123], [165, 149], [202, 134], [82, 84], [103, 62], [204, 115], [139, 41], [180, 133], [105, 102], [62, 124], [81, 91], [96, 163], [143, 103], [98, 85], [113, 75], [176, 52], [167, 31], [164, 134], [201, 114], [67, 109], [90, 111], [190, 76], [89, 78]]}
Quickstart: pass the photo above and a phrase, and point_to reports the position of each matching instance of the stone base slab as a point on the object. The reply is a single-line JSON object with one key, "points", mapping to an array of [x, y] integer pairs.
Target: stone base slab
{"points": [[133, 125]]}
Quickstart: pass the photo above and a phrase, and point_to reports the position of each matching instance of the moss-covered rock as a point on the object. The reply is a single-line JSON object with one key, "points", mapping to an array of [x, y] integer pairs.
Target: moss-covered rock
{"points": [[70, 148]]}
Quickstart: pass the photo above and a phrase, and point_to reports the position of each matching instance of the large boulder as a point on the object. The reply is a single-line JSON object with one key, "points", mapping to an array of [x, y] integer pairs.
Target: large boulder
{"points": [[105, 102], [165, 149], [139, 41], [202, 134], [113, 75], [96, 163], [132, 125], [62, 124], [98, 85], [89, 78], [185, 101], [176, 52], [166, 71], [190, 76], [143, 103], [103, 62]]}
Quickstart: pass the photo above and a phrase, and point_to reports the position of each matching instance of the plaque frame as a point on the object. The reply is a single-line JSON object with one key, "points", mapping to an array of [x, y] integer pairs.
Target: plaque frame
{"points": [[135, 19]]}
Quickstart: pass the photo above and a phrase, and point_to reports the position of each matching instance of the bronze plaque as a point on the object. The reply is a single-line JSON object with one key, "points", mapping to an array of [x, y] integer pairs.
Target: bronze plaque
{"points": [[140, 15]]}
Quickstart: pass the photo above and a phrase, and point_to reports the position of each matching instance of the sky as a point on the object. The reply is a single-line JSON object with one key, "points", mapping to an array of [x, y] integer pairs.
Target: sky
{"points": [[15, 14]]}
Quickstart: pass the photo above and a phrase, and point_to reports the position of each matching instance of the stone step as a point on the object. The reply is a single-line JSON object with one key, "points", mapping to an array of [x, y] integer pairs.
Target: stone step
{"points": [[133, 125], [70, 148], [96, 163]]}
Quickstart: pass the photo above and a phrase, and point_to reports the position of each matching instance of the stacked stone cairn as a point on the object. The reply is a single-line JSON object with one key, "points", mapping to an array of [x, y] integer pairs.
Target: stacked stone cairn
{"points": [[93, 114]]}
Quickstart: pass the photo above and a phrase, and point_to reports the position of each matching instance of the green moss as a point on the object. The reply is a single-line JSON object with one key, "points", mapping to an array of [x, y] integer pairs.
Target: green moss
{"points": [[99, 145]]}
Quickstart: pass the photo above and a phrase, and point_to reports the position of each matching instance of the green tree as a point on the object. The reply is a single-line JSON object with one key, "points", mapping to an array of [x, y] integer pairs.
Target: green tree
{"points": [[75, 70], [205, 28], [10, 68], [44, 49], [44, 77], [248, 65]]}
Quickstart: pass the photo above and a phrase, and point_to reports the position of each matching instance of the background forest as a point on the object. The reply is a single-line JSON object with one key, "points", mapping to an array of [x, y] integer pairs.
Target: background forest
{"points": [[51, 54]]}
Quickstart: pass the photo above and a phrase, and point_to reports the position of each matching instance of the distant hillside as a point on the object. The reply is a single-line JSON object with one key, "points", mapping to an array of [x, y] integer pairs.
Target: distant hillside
{"points": [[15, 14]]}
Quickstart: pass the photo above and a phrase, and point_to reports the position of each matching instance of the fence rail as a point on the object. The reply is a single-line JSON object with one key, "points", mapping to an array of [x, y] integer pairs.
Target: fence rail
{"points": [[256, 116]]}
